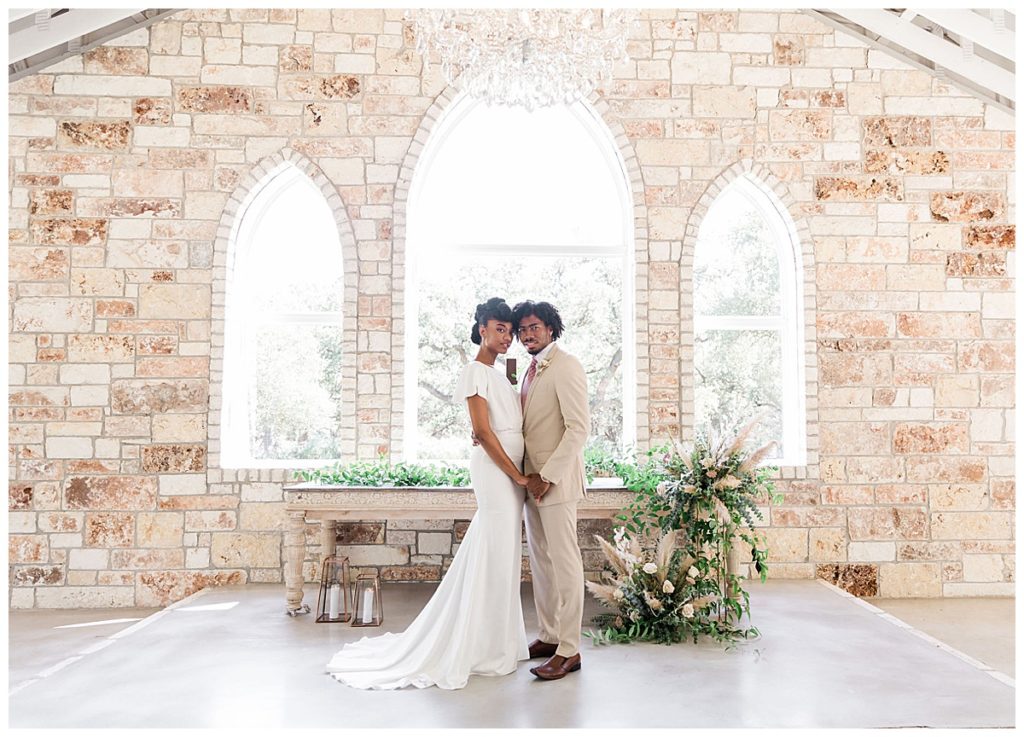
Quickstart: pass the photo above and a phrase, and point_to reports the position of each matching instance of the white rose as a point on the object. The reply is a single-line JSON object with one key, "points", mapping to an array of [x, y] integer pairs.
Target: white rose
{"points": [[693, 572], [619, 596], [687, 610], [655, 604], [650, 568], [667, 587]]}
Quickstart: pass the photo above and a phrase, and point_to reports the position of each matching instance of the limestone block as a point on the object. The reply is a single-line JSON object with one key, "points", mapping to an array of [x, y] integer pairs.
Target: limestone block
{"points": [[956, 390], [27, 548], [38, 264], [990, 236], [262, 492], [434, 543], [971, 525], [375, 555], [98, 282], [938, 325], [268, 33], [724, 102], [160, 588], [800, 125], [222, 50], [147, 559], [897, 131], [85, 597], [73, 232], [140, 396], [419, 572], [30, 125], [179, 427], [692, 67], [786, 545], [827, 544], [93, 560], [244, 549], [910, 580], [985, 356], [49, 575], [966, 207], [110, 530], [214, 99], [858, 189], [933, 469], [110, 492], [173, 458], [182, 483], [210, 521], [905, 523], [932, 437], [270, 516], [116, 60], [871, 551], [238, 75], [176, 301]]}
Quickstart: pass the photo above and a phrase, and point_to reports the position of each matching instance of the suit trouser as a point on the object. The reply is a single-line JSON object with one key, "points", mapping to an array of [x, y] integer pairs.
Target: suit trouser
{"points": [[557, 570]]}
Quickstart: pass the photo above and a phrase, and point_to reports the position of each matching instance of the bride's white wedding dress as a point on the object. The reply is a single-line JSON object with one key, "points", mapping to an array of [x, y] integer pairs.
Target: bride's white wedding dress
{"points": [[473, 624]]}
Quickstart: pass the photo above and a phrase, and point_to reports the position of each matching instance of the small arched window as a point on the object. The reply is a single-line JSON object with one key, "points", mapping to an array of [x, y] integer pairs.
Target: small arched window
{"points": [[748, 322], [521, 205], [283, 323]]}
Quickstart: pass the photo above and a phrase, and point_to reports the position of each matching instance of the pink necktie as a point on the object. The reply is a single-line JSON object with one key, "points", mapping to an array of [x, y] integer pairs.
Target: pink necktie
{"points": [[530, 373]]}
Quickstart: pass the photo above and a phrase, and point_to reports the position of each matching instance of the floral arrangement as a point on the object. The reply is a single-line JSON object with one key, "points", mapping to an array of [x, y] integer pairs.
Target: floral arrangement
{"points": [[661, 595], [710, 494]]}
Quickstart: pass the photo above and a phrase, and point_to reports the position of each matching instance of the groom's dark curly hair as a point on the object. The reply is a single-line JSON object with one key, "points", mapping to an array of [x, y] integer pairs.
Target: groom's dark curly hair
{"points": [[543, 311]]}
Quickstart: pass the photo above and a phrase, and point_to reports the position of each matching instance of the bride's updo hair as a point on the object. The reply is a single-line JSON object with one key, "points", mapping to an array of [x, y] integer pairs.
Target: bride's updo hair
{"points": [[493, 309]]}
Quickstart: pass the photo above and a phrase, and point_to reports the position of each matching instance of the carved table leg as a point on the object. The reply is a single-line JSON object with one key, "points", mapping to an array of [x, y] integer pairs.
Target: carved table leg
{"points": [[328, 544], [294, 552]]}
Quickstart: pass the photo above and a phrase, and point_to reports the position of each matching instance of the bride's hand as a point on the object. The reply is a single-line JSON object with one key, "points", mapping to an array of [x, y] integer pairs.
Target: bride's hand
{"points": [[521, 480]]}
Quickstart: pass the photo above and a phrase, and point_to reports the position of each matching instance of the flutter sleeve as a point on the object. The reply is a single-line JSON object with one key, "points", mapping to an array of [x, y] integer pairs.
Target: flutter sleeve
{"points": [[472, 381]]}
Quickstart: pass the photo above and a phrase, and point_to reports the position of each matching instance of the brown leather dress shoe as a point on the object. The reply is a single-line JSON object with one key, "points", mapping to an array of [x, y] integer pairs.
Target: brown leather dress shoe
{"points": [[557, 667], [541, 649]]}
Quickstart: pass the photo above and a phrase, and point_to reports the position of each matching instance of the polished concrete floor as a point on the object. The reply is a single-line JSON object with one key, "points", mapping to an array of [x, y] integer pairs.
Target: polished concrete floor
{"points": [[229, 657]]}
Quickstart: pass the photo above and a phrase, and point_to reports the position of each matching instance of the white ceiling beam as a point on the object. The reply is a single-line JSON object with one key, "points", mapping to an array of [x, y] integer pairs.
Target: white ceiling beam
{"points": [[938, 51], [29, 41], [14, 15], [977, 28]]}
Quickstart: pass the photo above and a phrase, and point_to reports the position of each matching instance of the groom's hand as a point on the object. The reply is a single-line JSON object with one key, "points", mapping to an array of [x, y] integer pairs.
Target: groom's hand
{"points": [[537, 486]]}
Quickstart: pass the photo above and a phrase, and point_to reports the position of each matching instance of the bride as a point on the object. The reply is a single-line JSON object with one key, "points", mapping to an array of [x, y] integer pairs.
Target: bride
{"points": [[473, 624]]}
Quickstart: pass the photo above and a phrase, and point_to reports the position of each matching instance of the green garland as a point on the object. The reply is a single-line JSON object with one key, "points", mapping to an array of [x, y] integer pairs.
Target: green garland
{"points": [[384, 473]]}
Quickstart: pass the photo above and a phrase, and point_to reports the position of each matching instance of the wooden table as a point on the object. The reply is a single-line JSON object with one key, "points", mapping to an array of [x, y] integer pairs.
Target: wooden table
{"points": [[328, 504]]}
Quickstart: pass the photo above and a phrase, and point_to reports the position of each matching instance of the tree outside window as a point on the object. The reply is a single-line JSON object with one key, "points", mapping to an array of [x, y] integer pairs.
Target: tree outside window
{"points": [[746, 321], [282, 372], [522, 206]]}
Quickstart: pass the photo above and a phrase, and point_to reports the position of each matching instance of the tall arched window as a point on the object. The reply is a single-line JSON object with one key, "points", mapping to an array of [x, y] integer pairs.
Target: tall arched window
{"points": [[521, 205], [282, 352], [748, 321]]}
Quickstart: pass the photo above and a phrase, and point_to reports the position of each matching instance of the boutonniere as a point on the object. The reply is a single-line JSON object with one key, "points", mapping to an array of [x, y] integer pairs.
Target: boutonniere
{"points": [[541, 365]]}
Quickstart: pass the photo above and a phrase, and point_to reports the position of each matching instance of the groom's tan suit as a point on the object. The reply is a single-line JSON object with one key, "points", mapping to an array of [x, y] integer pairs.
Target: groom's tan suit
{"points": [[556, 426]]}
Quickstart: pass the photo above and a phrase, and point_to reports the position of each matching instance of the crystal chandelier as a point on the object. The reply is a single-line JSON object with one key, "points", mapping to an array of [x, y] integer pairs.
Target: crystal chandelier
{"points": [[532, 58]]}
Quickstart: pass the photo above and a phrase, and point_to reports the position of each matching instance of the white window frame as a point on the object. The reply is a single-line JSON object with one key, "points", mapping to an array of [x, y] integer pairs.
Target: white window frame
{"points": [[625, 249], [241, 322], [790, 323]]}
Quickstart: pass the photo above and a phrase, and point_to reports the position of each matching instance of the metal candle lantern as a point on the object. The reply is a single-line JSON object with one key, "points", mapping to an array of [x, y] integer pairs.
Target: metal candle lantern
{"points": [[332, 604], [368, 604]]}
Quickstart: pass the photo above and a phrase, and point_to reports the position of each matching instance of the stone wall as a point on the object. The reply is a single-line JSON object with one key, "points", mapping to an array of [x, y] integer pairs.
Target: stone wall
{"points": [[126, 164]]}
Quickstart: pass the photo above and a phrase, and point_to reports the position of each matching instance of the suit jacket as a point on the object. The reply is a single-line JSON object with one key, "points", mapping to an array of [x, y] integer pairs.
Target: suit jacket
{"points": [[556, 427]]}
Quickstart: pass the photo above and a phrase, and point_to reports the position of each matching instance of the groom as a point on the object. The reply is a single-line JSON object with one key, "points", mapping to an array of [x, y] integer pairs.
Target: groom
{"points": [[556, 425]]}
